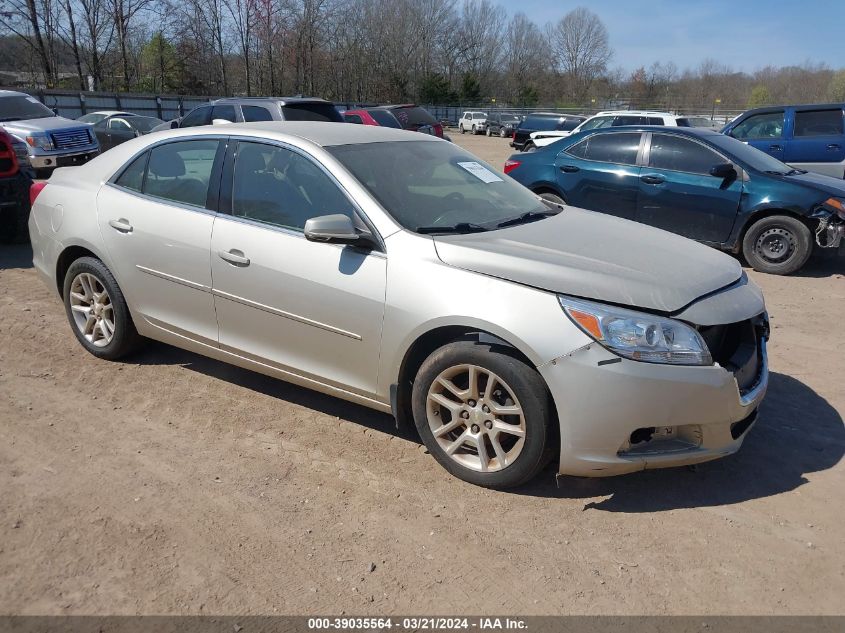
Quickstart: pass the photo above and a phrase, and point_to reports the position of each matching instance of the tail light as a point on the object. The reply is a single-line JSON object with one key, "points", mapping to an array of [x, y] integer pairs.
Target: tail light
{"points": [[8, 159], [438, 130], [511, 164], [513, 138], [34, 189]]}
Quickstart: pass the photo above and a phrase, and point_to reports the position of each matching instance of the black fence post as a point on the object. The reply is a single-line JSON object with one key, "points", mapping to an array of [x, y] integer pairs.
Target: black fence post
{"points": [[117, 102], [82, 106], [158, 106]]}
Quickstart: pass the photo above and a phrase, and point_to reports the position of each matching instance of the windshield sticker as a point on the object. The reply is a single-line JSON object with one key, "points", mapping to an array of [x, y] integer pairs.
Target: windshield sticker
{"points": [[480, 171]]}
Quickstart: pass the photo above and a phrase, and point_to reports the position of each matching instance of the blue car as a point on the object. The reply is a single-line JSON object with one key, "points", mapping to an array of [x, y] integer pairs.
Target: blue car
{"points": [[810, 137], [697, 183]]}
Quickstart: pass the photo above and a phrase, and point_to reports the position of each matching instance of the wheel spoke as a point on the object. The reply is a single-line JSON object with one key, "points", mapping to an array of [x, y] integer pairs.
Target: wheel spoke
{"points": [[448, 427], [481, 447], [443, 401], [472, 385], [500, 452], [107, 327], [88, 329], [85, 282], [451, 387], [503, 409], [510, 429], [451, 448], [79, 296], [81, 308]]}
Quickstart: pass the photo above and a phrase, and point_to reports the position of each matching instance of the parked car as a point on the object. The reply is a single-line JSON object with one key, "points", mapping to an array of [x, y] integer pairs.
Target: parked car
{"points": [[115, 129], [542, 122], [372, 116], [474, 122], [697, 183], [698, 121], [503, 124], [413, 117], [255, 109], [601, 120], [611, 345], [15, 179], [810, 137], [52, 141], [96, 117]]}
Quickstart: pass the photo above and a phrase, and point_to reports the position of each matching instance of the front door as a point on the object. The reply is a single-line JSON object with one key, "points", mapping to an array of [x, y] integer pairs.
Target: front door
{"points": [[601, 174], [765, 131], [156, 224], [311, 308], [678, 194]]}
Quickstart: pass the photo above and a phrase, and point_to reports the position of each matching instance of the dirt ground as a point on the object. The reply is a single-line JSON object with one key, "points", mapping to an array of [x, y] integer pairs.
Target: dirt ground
{"points": [[173, 484]]}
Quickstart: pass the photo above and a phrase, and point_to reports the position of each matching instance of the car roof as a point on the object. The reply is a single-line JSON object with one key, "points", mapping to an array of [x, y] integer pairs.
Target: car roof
{"points": [[636, 113], [270, 100], [13, 93], [323, 134], [685, 131], [802, 107], [114, 113]]}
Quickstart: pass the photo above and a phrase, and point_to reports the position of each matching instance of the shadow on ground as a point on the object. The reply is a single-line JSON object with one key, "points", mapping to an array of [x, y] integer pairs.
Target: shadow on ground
{"points": [[15, 256]]}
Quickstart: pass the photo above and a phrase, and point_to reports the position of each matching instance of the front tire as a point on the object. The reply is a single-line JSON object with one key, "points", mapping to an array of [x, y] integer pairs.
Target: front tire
{"points": [[97, 310], [482, 413], [552, 197], [778, 245], [489, 132], [461, 126], [473, 131], [502, 132], [529, 147]]}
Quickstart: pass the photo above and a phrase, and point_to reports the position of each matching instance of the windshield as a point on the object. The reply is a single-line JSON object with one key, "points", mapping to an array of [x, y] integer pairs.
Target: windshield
{"points": [[20, 108], [540, 123], [751, 156], [436, 184]]}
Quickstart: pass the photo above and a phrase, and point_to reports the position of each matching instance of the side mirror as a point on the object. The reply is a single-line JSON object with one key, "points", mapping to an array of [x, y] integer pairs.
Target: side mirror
{"points": [[220, 122], [335, 229], [723, 170]]}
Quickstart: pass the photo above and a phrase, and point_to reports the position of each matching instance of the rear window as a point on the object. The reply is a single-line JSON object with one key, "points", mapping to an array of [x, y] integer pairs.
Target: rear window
{"points": [[256, 113], [311, 112], [384, 118], [413, 117], [818, 123], [541, 123]]}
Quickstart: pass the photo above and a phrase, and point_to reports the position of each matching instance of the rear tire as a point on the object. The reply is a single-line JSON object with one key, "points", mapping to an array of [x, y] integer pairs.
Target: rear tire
{"points": [[502, 132], [529, 147], [97, 310], [473, 131], [489, 132], [495, 439], [777, 245], [461, 126]]}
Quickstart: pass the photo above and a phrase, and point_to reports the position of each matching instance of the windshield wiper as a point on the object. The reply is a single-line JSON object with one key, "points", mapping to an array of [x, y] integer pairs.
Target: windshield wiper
{"points": [[460, 227], [531, 216], [775, 172], [796, 172]]}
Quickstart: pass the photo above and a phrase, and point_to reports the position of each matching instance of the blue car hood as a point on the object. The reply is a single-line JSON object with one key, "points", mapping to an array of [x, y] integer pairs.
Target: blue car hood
{"points": [[827, 184], [596, 256]]}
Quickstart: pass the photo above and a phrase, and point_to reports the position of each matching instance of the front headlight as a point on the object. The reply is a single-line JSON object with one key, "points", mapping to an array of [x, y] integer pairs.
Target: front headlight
{"points": [[638, 335], [837, 205], [40, 142]]}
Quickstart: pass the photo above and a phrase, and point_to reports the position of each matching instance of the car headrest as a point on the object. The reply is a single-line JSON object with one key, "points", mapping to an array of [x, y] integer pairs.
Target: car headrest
{"points": [[280, 160], [250, 159], [166, 163]]}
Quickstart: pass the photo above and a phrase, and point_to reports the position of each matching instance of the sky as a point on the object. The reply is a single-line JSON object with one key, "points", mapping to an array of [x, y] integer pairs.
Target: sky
{"points": [[745, 34]]}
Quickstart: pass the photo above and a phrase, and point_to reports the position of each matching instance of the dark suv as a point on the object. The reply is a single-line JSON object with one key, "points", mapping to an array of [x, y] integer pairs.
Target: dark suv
{"points": [[239, 109], [543, 121], [502, 123], [415, 118]]}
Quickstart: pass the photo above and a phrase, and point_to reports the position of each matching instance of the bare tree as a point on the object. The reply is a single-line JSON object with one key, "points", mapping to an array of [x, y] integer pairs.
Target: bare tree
{"points": [[581, 48]]}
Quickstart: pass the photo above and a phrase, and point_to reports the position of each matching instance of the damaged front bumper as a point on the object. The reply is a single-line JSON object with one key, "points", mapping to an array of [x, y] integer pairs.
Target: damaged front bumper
{"points": [[619, 416]]}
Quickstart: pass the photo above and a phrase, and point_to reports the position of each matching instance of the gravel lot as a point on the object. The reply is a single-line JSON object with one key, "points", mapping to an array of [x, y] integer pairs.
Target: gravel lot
{"points": [[175, 484]]}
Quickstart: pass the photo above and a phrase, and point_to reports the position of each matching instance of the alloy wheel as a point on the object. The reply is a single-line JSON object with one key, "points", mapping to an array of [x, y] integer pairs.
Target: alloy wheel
{"points": [[92, 309], [475, 418]]}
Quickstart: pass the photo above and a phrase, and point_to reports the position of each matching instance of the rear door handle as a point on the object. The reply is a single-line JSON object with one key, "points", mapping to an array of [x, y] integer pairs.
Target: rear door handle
{"points": [[121, 225], [570, 169], [833, 146], [653, 179], [234, 256]]}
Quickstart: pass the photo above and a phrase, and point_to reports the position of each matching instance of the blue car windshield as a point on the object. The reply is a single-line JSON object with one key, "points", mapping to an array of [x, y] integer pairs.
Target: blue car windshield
{"points": [[754, 158]]}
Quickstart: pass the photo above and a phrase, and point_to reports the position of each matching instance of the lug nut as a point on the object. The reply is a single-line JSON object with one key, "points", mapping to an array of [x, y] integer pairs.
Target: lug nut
{"points": [[475, 428], [464, 414], [489, 424], [486, 409], [471, 403]]}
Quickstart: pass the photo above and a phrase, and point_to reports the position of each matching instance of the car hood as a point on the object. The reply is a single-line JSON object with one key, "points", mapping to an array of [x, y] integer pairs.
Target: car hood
{"points": [[50, 123], [827, 184], [595, 256]]}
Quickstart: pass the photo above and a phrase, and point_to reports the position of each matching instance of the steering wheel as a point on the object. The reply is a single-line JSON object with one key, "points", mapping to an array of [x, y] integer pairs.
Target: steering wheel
{"points": [[455, 197]]}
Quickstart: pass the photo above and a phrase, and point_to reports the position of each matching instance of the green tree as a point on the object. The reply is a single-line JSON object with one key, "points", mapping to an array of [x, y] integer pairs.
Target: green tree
{"points": [[434, 90], [836, 88], [470, 89], [159, 65], [760, 96], [527, 97]]}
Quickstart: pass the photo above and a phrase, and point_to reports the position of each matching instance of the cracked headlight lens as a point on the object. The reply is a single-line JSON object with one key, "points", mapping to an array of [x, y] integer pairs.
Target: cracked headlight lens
{"points": [[638, 335]]}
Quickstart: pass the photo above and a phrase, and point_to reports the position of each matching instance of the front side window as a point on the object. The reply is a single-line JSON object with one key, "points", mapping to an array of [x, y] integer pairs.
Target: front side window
{"points": [[225, 112], [431, 184], [120, 125], [608, 148], [280, 187], [567, 125], [760, 126], [181, 171], [818, 123], [680, 154], [253, 114], [198, 116]]}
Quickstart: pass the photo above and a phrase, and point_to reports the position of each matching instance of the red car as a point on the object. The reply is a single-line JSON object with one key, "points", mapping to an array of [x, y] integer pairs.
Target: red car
{"points": [[371, 116], [15, 179], [407, 116]]}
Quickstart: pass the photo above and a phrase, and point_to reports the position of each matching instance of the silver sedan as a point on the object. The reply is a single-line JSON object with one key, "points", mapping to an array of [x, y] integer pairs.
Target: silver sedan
{"points": [[397, 271]]}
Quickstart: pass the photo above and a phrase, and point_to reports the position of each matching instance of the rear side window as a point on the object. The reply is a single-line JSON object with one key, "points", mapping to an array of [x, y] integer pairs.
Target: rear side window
{"points": [[631, 120], [225, 112], [679, 154], [384, 118], [311, 112], [655, 120], [353, 118], [818, 123], [256, 113], [198, 116], [133, 176], [181, 171], [567, 125], [621, 149], [414, 117], [766, 125]]}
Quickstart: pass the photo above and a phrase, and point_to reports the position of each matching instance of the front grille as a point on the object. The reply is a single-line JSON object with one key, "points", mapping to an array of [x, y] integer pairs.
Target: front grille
{"points": [[738, 348], [71, 139]]}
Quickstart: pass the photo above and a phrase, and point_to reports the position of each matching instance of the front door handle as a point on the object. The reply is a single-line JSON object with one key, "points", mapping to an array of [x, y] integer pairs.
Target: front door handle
{"points": [[833, 147], [234, 256], [653, 179], [570, 169], [775, 148], [121, 225]]}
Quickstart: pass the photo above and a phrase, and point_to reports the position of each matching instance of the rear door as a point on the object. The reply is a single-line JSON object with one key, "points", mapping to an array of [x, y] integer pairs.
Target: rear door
{"points": [[601, 173], [765, 131], [817, 142], [678, 194]]}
